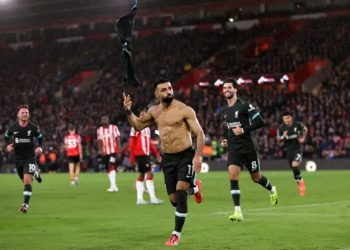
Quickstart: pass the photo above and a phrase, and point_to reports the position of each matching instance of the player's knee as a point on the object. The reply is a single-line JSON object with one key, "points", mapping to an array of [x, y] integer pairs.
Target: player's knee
{"points": [[295, 164], [256, 179], [149, 174], [149, 177], [181, 199]]}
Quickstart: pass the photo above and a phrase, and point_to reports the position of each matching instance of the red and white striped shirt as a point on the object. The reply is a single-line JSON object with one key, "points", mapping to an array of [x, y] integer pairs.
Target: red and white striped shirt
{"points": [[71, 142], [108, 136], [140, 145]]}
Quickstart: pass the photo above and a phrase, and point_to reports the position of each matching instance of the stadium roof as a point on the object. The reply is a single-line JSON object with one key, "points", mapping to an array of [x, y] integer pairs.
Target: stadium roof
{"points": [[14, 12]]}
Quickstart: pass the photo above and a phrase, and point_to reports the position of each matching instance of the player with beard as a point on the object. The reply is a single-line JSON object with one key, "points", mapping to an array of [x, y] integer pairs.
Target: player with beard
{"points": [[180, 162], [26, 143], [241, 119]]}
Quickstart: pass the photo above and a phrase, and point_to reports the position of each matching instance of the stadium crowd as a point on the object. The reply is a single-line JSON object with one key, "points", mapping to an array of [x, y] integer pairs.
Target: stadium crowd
{"points": [[38, 76]]}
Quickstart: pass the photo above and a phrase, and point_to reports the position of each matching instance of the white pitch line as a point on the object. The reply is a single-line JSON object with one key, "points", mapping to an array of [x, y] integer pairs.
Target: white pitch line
{"points": [[291, 206], [296, 214]]}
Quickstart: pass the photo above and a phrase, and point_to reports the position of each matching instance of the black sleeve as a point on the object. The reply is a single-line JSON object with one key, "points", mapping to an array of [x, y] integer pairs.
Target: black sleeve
{"points": [[225, 132], [279, 132], [38, 135], [224, 124], [256, 120], [7, 136], [302, 128]]}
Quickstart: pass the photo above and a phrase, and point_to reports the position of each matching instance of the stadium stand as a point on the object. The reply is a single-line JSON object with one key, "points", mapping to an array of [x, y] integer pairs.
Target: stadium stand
{"points": [[43, 70]]}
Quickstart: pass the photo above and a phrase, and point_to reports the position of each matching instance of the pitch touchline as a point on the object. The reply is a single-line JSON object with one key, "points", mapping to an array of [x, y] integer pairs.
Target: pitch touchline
{"points": [[296, 214], [291, 206]]}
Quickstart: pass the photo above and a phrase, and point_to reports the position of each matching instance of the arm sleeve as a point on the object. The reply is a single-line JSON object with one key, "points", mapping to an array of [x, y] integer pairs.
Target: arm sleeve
{"points": [[39, 136], [98, 134], [224, 124], [303, 129], [225, 135], [153, 149], [7, 136], [132, 148], [255, 118], [116, 131], [279, 133]]}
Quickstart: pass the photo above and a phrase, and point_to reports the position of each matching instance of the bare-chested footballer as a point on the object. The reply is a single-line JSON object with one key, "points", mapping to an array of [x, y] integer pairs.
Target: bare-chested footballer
{"points": [[175, 121], [180, 163]]}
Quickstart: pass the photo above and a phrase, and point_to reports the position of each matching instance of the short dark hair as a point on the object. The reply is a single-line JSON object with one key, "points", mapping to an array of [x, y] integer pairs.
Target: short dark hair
{"points": [[22, 106], [231, 80], [286, 113], [71, 127], [160, 81], [141, 109]]}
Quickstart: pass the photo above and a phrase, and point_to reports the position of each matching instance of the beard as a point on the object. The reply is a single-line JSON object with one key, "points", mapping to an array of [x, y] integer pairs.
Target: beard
{"points": [[24, 119], [229, 96], [168, 99]]}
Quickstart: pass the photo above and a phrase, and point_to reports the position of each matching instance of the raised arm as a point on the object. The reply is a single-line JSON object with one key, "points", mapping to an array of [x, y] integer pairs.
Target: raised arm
{"points": [[137, 123], [197, 130]]}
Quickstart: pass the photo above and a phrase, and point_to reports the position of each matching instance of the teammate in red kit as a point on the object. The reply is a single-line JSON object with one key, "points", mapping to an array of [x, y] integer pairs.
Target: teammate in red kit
{"points": [[109, 148], [72, 144], [140, 148]]}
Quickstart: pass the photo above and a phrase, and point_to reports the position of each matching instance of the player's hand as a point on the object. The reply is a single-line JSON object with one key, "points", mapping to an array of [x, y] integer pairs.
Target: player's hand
{"points": [[10, 148], [127, 102], [301, 140], [285, 135], [224, 143], [38, 151], [197, 163], [237, 130], [159, 159]]}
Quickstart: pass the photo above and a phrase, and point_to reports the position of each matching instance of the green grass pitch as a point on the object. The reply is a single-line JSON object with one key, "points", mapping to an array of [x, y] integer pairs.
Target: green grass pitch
{"points": [[87, 217]]}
